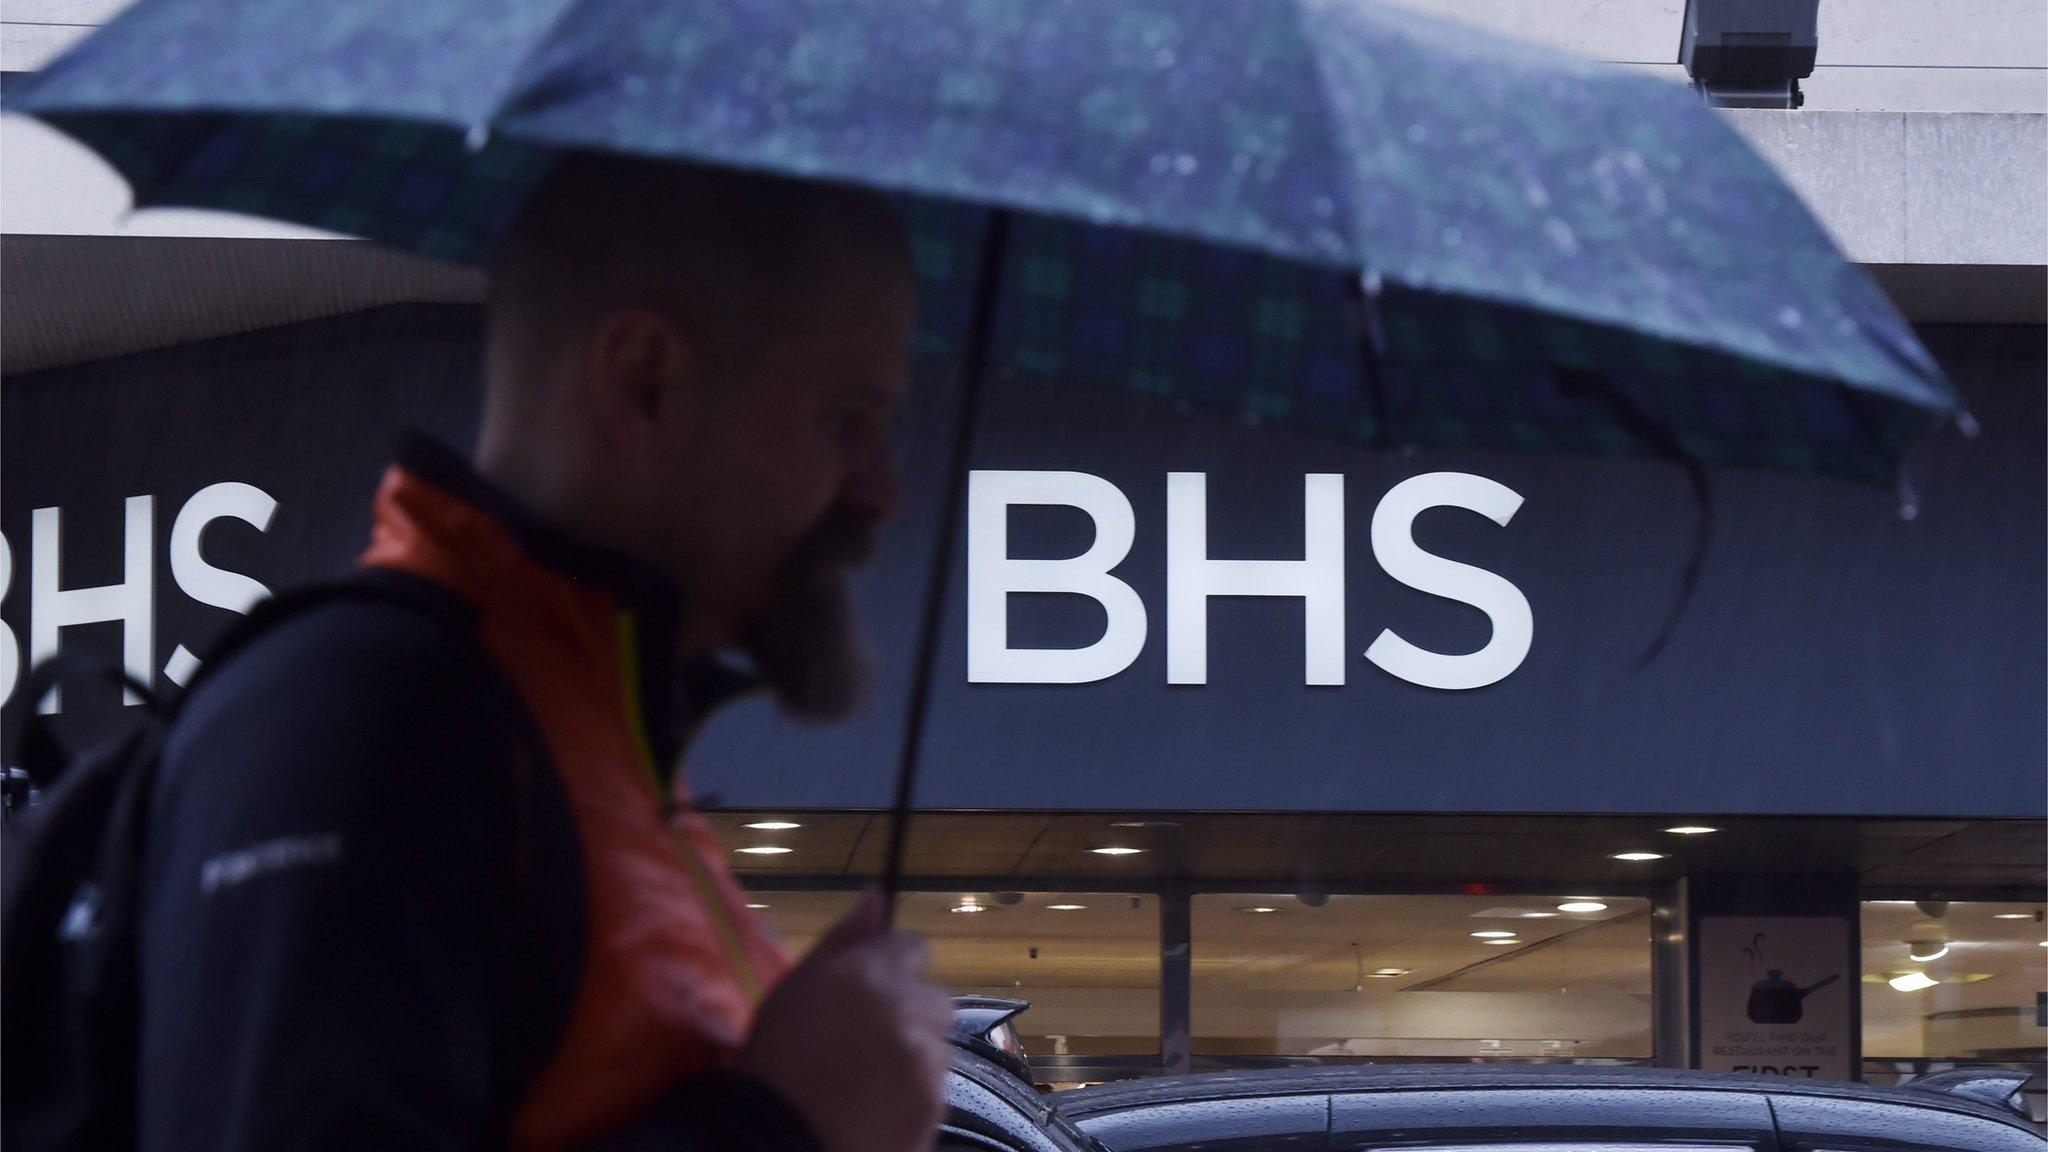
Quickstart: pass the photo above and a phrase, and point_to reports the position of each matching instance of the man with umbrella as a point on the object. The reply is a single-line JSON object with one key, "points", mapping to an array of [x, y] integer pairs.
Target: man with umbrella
{"points": [[1454, 241], [689, 378]]}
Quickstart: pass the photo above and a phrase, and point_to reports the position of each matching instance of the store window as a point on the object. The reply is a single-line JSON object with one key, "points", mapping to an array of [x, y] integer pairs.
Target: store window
{"points": [[1087, 961], [1953, 980], [1431, 976]]}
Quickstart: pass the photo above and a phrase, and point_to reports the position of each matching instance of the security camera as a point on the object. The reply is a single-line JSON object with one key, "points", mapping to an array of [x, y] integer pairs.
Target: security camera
{"points": [[1750, 53]]}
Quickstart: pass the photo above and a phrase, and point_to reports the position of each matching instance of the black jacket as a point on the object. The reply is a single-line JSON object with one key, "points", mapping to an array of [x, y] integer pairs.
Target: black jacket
{"points": [[359, 930]]}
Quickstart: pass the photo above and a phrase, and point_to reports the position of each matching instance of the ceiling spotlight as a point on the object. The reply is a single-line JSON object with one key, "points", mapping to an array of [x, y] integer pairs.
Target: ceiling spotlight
{"points": [[1508, 942], [772, 825], [1493, 934], [1912, 981], [1691, 830], [1537, 915], [1582, 906], [1115, 850], [1637, 857], [970, 907], [757, 907], [1065, 907], [2013, 916], [765, 850], [1388, 973], [1260, 908], [1144, 824], [1925, 951]]}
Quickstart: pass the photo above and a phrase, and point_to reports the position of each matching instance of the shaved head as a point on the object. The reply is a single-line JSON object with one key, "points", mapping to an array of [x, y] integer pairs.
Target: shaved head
{"points": [[697, 367], [725, 254]]}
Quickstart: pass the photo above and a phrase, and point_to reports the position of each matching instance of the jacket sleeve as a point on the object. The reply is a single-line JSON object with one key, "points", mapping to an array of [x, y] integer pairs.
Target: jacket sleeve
{"points": [[323, 961], [324, 869]]}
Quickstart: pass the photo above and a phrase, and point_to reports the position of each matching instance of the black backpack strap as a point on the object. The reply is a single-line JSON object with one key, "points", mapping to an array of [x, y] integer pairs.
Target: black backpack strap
{"points": [[386, 584], [36, 749]]}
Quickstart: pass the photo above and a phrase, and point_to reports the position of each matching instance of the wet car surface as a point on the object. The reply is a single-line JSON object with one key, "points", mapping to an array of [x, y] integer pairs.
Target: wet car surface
{"points": [[1452, 1108]]}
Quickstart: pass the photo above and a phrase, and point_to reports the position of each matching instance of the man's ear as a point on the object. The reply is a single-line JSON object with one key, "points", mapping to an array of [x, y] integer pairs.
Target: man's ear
{"points": [[638, 370]]}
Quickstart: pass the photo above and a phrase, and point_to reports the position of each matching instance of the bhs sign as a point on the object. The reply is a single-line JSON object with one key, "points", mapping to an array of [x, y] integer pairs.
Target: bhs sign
{"points": [[1192, 577]]}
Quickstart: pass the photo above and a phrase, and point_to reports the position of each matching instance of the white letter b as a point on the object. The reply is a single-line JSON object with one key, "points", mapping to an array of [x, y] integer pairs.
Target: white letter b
{"points": [[992, 574]]}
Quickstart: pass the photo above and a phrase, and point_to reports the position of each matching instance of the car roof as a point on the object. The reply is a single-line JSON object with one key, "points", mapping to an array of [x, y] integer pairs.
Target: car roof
{"points": [[1031, 1106], [1082, 1103]]}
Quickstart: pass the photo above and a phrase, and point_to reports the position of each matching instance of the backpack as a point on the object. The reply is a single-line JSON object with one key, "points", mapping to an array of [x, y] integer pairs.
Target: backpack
{"points": [[72, 883]]}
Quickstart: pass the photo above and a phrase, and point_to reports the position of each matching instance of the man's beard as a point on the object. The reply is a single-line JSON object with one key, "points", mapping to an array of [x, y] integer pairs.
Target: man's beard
{"points": [[804, 641]]}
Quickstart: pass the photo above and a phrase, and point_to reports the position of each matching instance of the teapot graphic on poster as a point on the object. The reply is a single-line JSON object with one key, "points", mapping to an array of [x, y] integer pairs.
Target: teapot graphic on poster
{"points": [[1775, 999]]}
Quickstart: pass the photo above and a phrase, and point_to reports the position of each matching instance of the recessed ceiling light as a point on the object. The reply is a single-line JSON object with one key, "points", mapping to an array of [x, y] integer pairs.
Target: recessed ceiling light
{"points": [[772, 825], [1637, 857], [1115, 850], [1691, 830], [765, 850], [1912, 981], [970, 906], [1916, 956], [2044, 943], [1260, 908], [1388, 973], [757, 907], [2014, 916], [1493, 934], [1582, 906], [1539, 915], [1498, 943], [1144, 824], [1065, 907]]}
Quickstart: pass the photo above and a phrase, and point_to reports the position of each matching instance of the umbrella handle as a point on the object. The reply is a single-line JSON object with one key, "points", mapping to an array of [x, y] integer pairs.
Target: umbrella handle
{"points": [[973, 366]]}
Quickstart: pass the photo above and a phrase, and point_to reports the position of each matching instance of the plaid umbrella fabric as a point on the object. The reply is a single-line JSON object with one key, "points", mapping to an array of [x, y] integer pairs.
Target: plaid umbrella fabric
{"points": [[1330, 212]]}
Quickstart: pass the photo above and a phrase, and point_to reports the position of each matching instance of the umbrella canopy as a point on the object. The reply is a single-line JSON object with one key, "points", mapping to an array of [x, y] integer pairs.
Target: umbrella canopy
{"points": [[1333, 212]]}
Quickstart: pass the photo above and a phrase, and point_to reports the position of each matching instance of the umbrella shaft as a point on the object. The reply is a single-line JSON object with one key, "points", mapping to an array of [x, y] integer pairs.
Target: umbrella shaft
{"points": [[973, 366]]}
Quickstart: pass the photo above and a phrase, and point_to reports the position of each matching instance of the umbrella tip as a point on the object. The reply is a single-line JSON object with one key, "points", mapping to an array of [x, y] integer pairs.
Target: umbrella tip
{"points": [[1909, 500], [478, 136], [1967, 424]]}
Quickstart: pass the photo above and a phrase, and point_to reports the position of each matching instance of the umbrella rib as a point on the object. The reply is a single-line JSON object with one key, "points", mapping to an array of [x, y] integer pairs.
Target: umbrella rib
{"points": [[478, 132], [1348, 212]]}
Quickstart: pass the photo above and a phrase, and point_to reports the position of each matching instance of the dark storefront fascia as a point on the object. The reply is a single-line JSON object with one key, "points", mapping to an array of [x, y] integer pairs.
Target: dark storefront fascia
{"points": [[1852, 698]]}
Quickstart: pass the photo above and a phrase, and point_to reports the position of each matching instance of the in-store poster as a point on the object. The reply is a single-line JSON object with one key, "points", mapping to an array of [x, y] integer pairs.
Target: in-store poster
{"points": [[1775, 995]]}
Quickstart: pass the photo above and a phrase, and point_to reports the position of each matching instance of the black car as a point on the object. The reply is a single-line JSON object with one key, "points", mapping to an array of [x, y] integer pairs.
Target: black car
{"points": [[1462, 1108], [1543, 1109], [991, 1105]]}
